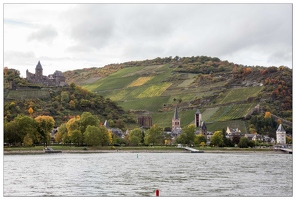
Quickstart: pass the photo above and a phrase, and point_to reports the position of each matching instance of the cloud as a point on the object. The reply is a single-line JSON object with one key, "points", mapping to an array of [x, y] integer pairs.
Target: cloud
{"points": [[45, 33], [100, 34]]}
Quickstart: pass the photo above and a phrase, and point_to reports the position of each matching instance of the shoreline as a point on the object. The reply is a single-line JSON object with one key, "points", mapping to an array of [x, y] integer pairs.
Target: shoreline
{"points": [[25, 152]]}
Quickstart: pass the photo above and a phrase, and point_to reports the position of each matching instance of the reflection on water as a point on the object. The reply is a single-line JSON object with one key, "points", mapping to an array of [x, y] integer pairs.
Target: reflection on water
{"points": [[132, 174]]}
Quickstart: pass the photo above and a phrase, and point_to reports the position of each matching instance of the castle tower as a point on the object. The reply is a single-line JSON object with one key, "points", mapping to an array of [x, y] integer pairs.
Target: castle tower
{"points": [[203, 129], [197, 118], [176, 121], [281, 135], [38, 72]]}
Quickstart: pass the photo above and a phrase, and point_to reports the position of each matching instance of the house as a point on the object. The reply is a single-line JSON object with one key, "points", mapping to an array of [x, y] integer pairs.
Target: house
{"points": [[250, 136]]}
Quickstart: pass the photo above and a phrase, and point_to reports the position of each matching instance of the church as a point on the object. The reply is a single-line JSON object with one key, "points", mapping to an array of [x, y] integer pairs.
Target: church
{"points": [[55, 79], [176, 123]]}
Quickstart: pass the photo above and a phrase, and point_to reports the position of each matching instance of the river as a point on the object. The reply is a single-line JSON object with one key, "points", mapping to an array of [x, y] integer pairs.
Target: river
{"points": [[141, 174]]}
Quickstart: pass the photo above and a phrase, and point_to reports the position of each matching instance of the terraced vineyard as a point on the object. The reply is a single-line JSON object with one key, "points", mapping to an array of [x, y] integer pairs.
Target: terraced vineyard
{"points": [[150, 88], [150, 104], [234, 111], [240, 94]]}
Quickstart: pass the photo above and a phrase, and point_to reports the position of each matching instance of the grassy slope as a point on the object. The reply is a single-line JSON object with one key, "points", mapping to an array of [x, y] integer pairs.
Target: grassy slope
{"points": [[134, 91]]}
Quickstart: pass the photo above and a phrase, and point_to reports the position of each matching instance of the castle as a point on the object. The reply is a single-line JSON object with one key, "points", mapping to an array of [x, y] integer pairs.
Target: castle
{"points": [[55, 79]]}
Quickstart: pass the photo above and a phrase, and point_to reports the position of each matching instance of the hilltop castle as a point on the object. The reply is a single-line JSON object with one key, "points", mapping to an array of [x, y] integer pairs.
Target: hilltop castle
{"points": [[55, 79]]}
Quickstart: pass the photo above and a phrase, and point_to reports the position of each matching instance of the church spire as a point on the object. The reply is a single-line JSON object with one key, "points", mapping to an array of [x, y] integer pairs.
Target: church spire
{"points": [[176, 113]]}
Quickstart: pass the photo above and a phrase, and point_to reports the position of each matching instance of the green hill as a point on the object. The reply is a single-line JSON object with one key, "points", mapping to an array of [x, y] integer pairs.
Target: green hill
{"points": [[223, 91]]}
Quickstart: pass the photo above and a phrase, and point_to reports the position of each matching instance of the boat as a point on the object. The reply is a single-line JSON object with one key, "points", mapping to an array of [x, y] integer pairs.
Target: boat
{"points": [[50, 150]]}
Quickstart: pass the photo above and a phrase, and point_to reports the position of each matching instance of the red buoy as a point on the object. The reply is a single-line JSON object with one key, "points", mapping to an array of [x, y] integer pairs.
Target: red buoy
{"points": [[157, 193]]}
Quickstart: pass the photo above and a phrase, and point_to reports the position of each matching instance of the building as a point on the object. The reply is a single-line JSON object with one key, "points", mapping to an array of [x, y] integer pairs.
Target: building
{"points": [[203, 128], [197, 118], [145, 121], [281, 135], [176, 123], [55, 79]]}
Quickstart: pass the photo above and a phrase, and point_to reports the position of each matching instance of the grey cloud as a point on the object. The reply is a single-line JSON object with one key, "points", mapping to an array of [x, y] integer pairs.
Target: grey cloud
{"points": [[45, 33], [158, 30]]}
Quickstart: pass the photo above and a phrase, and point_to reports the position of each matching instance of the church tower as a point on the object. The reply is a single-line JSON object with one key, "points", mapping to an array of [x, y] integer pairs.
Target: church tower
{"points": [[197, 118], [176, 122], [203, 129], [38, 72]]}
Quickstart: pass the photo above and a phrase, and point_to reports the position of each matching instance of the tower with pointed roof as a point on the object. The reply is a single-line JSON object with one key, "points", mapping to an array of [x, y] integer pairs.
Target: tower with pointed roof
{"points": [[197, 118], [176, 122], [38, 72], [203, 128], [281, 135]]}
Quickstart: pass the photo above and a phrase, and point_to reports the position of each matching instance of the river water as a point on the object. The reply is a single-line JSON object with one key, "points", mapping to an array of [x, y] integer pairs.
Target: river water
{"points": [[141, 174]]}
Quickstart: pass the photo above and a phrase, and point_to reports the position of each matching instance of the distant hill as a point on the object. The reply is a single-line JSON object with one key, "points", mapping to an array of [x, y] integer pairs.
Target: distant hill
{"points": [[223, 91]]}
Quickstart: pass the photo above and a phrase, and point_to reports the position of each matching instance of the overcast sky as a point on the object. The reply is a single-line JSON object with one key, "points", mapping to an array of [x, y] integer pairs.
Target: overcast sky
{"points": [[75, 36]]}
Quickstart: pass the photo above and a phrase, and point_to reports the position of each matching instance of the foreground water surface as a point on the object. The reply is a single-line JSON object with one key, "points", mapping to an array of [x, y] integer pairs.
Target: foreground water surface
{"points": [[141, 174]]}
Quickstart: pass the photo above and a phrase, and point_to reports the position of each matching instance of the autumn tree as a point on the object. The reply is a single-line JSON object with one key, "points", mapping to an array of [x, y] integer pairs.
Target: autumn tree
{"points": [[199, 139], [72, 125], [44, 126], [217, 139], [30, 111], [28, 141]]}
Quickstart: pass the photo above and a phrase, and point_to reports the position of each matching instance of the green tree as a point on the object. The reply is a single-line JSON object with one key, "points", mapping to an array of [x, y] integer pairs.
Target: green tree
{"points": [[22, 125], [87, 119], [65, 96], [92, 136], [61, 134], [76, 137], [11, 133], [188, 134], [217, 139], [136, 136], [243, 143], [199, 139], [44, 126], [95, 136], [154, 135]]}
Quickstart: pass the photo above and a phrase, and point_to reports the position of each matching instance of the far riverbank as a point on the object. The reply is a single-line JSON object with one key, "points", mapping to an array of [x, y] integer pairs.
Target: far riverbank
{"points": [[22, 151]]}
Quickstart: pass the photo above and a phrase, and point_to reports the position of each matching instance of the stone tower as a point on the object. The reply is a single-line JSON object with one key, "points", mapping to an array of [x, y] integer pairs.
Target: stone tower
{"points": [[203, 129], [281, 135], [38, 72], [197, 118]]}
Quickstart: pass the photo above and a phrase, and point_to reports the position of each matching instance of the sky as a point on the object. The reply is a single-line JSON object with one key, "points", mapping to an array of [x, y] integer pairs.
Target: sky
{"points": [[75, 36]]}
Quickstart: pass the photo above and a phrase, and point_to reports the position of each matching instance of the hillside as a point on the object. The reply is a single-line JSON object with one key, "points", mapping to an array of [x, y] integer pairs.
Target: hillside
{"points": [[221, 90], [62, 103]]}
